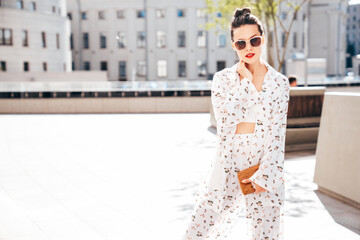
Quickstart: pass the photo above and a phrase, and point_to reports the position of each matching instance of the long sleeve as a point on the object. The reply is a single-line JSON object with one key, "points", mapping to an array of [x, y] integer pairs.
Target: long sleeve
{"points": [[231, 101], [270, 174]]}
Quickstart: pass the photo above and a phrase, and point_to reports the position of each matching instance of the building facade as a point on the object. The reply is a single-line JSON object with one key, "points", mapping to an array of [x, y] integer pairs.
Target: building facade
{"points": [[353, 33], [318, 31], [328, 34], [118, 37], [153, 40], [353, 26], [34, 36]]}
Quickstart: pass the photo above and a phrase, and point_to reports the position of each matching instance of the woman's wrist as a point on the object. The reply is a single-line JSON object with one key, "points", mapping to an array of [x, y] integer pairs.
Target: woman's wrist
{"points": [[243, 77]]}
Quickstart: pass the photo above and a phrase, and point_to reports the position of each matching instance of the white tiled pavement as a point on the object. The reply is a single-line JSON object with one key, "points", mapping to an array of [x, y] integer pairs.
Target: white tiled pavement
{"points": [[132, 176]]}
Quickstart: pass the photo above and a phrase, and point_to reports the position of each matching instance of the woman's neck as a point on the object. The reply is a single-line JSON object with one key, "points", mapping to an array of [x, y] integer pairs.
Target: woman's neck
{"points": [[256, 65]]}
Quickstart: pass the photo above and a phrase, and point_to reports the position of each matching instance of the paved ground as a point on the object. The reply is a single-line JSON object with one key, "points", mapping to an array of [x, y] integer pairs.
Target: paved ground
{"points": [[132, 176]]}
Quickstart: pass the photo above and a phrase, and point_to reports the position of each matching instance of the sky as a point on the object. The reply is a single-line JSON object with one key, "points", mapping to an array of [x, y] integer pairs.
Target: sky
{"points": [[354, 2]]}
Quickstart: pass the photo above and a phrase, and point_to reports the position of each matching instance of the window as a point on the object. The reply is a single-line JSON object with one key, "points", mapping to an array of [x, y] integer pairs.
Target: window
{"points": [[2, 66], [33, 6], [182, 69], [271, 39], [20, 4], [181, 13], [141, 13], [121, 39], [53, 9], [26, 66], [162, 68], [200, 13], [44, 66], [160, 39], [282, 39], [69, 15], [283, 15], [181, 39], [141, 36], [303, 40], [58, 41], [295, 40], [201, 39], [295, 16], [160, 13], [71, 41], [201, 67], [83, 15], [43, 39], [5, 36], [221, 41], [218, 14], [87, 66], [120, 14], [220, 65], [141, 68], [122, 70], [103, 66], [102, 40], [24, 38], [304, 16], [73, 65], [85, 40], [101, 14]]}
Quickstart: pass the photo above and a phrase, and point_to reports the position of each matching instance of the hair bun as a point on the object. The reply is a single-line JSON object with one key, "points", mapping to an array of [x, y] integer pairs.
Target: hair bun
{"points": [[243, 11]]}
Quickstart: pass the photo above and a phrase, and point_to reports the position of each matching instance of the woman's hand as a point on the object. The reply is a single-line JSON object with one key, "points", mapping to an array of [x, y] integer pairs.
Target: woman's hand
{"points": [[258, 189], [244, 71]]}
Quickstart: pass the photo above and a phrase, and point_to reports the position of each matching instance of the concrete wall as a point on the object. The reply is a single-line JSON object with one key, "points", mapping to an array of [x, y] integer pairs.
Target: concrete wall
{"points": [[337, 170], [107, 105]]}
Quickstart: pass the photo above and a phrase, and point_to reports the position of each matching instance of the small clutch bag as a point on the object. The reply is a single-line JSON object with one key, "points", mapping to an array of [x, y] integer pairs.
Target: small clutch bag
{"points": [[247, 188]]}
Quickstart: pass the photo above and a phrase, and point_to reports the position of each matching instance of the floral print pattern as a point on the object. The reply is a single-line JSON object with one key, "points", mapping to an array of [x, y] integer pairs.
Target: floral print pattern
{"points": [[263, 222], [218, 198]]}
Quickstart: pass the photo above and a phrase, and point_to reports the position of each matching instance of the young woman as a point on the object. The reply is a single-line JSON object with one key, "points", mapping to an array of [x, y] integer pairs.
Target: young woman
{"points": [[250, 102]]}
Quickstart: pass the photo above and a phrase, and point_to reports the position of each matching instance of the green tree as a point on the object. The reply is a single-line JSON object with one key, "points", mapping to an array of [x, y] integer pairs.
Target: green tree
{"points": [[268, 12]]}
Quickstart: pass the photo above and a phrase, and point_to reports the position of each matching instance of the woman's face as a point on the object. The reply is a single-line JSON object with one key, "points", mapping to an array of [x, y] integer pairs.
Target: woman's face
{"points": [[246, 32]]}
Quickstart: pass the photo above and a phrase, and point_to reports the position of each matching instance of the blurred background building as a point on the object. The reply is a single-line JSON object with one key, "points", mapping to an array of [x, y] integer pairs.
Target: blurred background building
{"points": [[353, 38], [34, 36], [129, 38], [164, 40]]}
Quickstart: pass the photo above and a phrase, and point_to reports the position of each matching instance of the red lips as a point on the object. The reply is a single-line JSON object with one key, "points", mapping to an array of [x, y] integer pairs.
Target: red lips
{"points": [[249, 55]]}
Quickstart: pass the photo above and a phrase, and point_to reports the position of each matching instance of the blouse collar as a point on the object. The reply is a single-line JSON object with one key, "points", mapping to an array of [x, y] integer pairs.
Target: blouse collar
{"points": [[270, 75]]}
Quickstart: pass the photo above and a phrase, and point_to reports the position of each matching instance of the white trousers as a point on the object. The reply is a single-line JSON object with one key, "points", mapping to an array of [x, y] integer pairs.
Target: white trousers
{"points": [[262, 222]]}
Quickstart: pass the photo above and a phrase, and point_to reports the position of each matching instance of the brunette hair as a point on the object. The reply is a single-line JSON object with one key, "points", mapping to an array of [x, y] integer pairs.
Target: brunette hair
{"points": [[243, 16], [292, 78]]}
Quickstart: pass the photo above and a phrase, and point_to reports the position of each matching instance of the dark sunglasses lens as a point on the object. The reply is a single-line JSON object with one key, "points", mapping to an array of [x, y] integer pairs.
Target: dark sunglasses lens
{"points": [[240, 45], [255, 42]]}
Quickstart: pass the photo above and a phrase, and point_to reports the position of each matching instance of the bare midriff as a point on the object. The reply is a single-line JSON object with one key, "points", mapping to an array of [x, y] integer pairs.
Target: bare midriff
{"points": [[245, 127]]}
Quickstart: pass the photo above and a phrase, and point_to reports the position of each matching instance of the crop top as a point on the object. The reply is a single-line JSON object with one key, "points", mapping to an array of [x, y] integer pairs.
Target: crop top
{"points": [[253, 110]]}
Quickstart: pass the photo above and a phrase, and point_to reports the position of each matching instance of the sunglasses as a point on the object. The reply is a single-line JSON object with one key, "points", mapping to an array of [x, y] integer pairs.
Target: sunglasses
{"points": [[241, 44]]}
